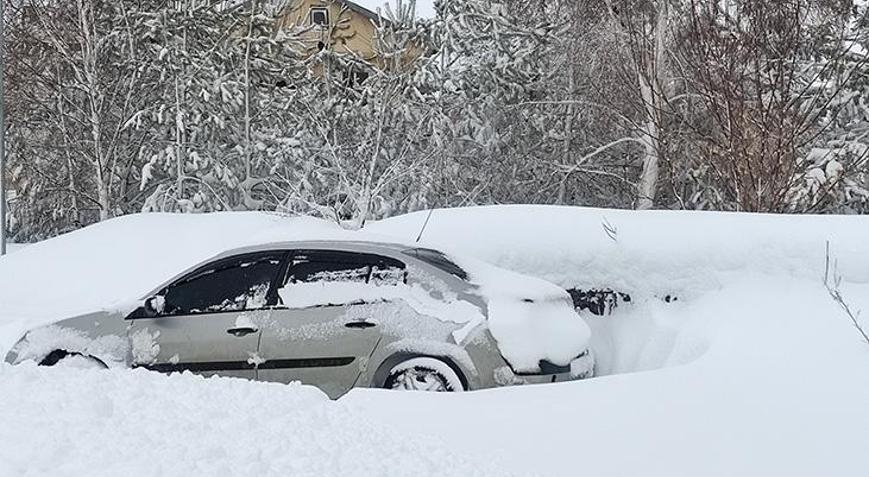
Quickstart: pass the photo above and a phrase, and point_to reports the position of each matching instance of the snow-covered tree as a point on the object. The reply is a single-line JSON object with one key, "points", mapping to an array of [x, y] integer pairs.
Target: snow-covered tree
{"points": [[75, 82], [770, 81], [223, 75]]}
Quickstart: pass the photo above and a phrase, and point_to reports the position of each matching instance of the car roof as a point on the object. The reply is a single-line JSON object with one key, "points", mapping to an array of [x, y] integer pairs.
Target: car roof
{"points": [[356, 245]]}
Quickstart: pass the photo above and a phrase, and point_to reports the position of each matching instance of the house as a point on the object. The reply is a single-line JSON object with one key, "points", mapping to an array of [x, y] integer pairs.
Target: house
{"points": [[341, 25]]}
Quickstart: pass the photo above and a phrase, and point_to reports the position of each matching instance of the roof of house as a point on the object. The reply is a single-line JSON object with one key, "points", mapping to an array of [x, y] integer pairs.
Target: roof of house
{"points": [[356, 7]]}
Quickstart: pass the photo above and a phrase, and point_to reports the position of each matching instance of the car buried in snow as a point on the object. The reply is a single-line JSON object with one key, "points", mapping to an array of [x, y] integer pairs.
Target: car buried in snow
{"points": [[336, 314]]}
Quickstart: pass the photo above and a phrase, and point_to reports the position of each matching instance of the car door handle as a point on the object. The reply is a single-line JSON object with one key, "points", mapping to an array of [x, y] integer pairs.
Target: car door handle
{"points": [[360, 325], [241, 331]]}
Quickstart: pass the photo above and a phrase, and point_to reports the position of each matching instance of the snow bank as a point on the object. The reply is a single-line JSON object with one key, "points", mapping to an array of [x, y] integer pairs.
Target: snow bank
{"points": [[69, 422], [14, 247], [649, 255], [653, 252], [775, 385], [753, 372], [112, 265]]}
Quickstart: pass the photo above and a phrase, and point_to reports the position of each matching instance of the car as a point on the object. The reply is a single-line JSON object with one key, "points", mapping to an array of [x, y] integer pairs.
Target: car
{"points": [[336, 314]]}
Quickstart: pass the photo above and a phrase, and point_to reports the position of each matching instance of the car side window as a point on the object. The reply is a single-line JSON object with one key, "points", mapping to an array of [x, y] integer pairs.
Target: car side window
{"points": [[239, 283], [317, 268], [388, 272], [325, 277]]}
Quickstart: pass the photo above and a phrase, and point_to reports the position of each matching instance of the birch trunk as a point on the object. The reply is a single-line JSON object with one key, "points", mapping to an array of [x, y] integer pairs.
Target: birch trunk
{"points": [[650, 134], [90, 49], [568, 132], [650, 82]]}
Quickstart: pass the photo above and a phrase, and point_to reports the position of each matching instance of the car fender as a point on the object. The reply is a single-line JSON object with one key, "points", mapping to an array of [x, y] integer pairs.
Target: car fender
{"points": [[387, 356], [101, 335]]}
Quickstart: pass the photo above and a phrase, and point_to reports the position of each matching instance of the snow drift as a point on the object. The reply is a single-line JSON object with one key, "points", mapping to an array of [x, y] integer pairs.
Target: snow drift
{"points": [[648, 255], [650, 252], [114, 264], [754, 371], [774, 383], [68, 422]]}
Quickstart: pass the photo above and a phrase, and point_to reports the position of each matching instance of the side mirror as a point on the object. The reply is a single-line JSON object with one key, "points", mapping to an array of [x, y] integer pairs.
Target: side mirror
{"points": [[155, 306]]}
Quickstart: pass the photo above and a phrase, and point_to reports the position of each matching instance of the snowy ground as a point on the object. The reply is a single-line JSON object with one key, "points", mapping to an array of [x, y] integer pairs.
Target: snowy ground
{"points": [[14, 247], [755, 371], [776, 386], [68, 422]]}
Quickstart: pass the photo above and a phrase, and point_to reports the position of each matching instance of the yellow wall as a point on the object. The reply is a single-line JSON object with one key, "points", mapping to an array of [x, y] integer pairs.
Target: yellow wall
{"points": [[349, 31]]}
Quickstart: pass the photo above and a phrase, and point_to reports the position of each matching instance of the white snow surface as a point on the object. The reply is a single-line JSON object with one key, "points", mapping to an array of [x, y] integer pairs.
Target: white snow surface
{"points": [[772, 381], [70, 422], [114, 264], [654, 252], [754, 371], [14, 247]]}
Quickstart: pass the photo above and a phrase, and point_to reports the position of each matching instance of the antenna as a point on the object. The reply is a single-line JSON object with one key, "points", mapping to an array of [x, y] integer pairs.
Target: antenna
{"points": [[430, 211]]}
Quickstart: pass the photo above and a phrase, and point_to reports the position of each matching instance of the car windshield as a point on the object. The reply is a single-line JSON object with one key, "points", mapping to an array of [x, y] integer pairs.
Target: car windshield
{"points": [[438, 260]]}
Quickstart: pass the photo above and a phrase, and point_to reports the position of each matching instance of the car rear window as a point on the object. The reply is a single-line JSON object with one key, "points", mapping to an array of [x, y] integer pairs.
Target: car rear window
{"points": [[438, 260]]}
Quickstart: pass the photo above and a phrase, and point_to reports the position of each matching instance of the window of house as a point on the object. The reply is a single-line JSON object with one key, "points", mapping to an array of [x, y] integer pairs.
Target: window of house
{"points": [[320, 16], [234, 284]]}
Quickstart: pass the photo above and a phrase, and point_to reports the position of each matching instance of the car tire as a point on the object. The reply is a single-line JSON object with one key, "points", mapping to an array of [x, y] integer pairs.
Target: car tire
{"points": [[424, 374], [64, 359]]}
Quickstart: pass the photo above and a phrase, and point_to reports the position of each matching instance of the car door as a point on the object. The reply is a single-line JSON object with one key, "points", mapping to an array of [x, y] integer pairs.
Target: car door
{"points": [[206, 322], [325, 326]]}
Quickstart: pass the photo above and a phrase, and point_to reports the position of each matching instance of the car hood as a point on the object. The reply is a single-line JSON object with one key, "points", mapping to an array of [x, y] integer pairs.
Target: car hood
{"points": [[531, 319]]}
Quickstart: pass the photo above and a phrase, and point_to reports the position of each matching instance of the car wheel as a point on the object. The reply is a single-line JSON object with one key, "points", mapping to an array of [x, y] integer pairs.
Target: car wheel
{"points": [[64, 359], [424, 374]]}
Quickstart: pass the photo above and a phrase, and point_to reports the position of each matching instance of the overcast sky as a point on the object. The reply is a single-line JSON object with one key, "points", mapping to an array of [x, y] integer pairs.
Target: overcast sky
{"points": [[424, 8]]}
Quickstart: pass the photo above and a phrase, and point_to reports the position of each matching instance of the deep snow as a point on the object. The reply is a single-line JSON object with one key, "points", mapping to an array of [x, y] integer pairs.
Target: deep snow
{"points": [[656, 252], [776, 385], [114, 264], [68, 422], [14, 247], [755, 371]]}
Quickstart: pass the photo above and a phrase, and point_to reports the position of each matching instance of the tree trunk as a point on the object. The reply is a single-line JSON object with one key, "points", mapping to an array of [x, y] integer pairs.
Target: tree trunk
{"points": [[651, 81], [568, 131], [650, 132]]}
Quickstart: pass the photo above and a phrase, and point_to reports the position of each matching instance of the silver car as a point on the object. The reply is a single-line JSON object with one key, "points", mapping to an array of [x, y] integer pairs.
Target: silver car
{"points": [[333, 314]]}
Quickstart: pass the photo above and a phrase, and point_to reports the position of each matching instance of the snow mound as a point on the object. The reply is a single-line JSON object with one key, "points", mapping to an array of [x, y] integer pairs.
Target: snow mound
{"points": [[114, 264], [650, 252], [110, 264], [772, 382], [14, 247], [118, 422]]}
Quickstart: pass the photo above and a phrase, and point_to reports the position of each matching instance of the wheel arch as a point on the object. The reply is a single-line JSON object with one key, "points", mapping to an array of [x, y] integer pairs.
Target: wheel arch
{"points": [[56, 355], [382, 373]]}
